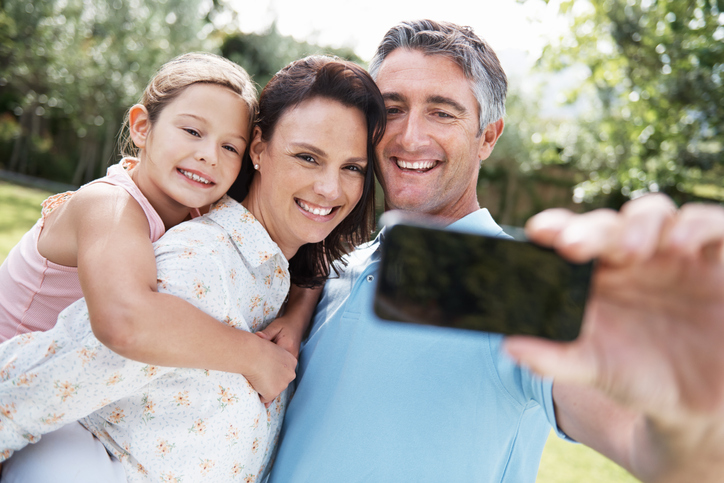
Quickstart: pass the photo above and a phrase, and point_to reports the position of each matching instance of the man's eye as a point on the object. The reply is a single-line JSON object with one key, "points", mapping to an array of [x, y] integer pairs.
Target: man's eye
{"points": [[444, 115], [392, 110]]}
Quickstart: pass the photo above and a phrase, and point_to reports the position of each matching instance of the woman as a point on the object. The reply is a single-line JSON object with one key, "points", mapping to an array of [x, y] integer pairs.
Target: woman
{"points": [[309, 193]]}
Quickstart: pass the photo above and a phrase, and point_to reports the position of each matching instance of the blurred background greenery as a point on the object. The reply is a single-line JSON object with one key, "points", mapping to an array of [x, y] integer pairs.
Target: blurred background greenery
{"points": [[644, 113]]}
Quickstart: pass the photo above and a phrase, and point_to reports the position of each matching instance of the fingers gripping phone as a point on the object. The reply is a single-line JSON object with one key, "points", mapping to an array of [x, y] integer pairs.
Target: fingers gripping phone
{"points": [[440, 277]]}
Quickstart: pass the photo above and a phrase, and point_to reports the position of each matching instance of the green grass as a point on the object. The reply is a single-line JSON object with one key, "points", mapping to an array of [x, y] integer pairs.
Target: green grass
{"points": [[562, 462], [565, 462], [19, 210]]}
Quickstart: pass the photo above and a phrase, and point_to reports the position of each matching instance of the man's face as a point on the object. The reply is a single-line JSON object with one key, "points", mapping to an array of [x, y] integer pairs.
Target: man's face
{"points": [[430, 155]]}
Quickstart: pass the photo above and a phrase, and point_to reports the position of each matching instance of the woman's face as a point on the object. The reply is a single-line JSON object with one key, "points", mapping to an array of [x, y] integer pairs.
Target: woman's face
{"points": [[310, 173]]}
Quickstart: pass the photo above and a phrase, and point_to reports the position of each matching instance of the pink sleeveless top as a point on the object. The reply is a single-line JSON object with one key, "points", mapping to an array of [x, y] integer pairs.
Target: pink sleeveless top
{"points": [[34, 290]]}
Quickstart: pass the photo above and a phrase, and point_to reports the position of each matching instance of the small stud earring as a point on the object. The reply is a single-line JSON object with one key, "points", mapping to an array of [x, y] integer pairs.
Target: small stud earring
{"points": [[256, 167]]}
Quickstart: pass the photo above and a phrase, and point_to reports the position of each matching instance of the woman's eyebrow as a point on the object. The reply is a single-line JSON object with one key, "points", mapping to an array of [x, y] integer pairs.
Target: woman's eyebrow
{"points": [[319, 152]]}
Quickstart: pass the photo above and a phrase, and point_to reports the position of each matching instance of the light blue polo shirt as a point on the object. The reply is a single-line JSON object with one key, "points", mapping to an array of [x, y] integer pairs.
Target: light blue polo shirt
{"points": [[379, 401]]}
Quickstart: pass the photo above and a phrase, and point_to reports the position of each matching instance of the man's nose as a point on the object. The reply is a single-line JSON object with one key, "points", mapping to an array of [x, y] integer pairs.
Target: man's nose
{"points": [[414, 134]]}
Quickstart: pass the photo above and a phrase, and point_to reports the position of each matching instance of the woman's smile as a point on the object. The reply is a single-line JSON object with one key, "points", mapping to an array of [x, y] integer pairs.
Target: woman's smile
{"points": [[314, 209]]}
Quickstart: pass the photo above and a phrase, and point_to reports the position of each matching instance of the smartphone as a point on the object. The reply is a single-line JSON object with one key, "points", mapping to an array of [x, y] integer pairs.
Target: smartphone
{"points": [[441, 277]]}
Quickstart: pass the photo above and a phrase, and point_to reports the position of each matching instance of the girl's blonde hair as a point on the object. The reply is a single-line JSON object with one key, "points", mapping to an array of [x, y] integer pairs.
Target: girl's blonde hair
{"points": [[176, 75]]}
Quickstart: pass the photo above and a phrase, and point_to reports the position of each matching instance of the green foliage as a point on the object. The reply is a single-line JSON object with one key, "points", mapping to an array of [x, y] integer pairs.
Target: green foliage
{"points": [[70, 68], [515, 182], [652, 96], [262, 55]]}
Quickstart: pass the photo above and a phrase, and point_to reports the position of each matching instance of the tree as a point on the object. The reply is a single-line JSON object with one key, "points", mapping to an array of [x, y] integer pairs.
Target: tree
{"points": [[654, 116], [263, 55], [70, 69]]}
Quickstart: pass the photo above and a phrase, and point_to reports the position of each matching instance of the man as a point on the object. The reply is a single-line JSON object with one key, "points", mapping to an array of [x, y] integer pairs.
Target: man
{"points": [[379, 402]]}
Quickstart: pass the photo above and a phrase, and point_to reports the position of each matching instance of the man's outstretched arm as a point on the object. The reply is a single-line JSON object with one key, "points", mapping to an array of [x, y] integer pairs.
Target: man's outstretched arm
{"points": [[643, 382]]}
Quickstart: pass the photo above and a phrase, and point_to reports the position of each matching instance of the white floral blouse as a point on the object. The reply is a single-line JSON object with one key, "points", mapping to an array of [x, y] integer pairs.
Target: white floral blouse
{"points": [[164, 424]]}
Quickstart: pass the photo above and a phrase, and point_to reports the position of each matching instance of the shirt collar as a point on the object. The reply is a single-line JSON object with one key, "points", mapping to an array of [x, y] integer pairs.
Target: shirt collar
{"points": [[250, 237], [479, 222]]}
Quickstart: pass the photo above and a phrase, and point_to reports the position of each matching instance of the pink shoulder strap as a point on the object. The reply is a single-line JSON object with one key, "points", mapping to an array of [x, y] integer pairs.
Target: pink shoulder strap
{"points": [[117, 175]]}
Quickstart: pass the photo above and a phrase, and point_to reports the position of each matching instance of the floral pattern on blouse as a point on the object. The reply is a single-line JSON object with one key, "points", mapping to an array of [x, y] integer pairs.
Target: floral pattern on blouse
{"points": [[162, 423]]}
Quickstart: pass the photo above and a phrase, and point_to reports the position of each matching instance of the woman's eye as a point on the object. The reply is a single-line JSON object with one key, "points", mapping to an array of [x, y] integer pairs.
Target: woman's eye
{"points": [[306, 157], [193, 132], [357, 169]]}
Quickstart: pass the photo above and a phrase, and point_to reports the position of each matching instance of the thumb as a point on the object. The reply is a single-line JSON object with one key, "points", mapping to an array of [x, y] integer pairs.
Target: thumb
{"points": [[263, 335], [561, 360]]}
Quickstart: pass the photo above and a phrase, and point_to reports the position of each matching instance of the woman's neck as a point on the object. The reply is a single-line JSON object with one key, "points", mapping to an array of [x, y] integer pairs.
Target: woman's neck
{"points": [[253, 203]]}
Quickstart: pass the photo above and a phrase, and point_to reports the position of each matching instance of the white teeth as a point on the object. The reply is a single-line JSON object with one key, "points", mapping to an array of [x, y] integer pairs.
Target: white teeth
{"points": [[194, 177], [416, 165], [316, 211]]}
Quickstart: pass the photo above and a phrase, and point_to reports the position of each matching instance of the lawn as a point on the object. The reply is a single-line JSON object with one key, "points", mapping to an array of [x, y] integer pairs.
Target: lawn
{"points": [[562, 462], [19, 210]]}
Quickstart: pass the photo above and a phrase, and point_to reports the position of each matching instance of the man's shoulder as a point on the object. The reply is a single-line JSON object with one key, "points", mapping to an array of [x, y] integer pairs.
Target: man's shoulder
{"points": [[360, 256]]}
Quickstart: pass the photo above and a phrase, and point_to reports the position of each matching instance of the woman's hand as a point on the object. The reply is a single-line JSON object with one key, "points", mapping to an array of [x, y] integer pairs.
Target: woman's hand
{"points": [[271, 371], [288, 330], [285, 332]]}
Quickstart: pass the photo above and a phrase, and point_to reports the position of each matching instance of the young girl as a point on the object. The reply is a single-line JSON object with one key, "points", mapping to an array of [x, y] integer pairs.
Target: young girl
{"points": [[187, 136], [310, 195]]}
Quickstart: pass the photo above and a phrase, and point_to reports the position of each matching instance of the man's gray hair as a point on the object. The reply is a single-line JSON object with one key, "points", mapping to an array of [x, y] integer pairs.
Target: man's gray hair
{"points": [[474, 56]]}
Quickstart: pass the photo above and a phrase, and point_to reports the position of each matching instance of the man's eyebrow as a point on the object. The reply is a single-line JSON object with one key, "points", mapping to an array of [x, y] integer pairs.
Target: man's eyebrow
{"points": [[448, 102], [393, 96]]}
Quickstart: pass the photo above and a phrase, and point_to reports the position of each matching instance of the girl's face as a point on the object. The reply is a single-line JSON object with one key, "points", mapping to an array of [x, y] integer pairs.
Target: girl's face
{"points": [[192, 154], [310, 173]]}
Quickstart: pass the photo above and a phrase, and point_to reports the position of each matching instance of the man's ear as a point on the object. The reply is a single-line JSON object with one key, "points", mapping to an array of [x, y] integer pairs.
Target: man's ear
{"points": [[139, 124], [257, 147], [490, 136]]}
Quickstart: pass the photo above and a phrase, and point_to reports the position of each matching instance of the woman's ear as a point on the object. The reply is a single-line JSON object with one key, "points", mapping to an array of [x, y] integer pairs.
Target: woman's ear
{"points": [[257, 147], [139, 125]]}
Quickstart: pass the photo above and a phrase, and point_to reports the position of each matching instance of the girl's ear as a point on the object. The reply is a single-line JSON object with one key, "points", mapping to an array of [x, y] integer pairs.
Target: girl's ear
{"points": [[257, 147], [139, 124]]}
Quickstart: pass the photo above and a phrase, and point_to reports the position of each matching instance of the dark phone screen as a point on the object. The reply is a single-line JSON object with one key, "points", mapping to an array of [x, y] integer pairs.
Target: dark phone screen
{"points": [[451, 279]]}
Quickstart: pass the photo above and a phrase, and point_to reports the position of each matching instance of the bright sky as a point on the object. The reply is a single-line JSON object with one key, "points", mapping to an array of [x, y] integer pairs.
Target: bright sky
{"points": [[516, 32]]}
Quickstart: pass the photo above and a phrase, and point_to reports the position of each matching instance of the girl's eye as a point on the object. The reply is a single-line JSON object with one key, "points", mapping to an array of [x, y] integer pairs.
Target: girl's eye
{"points": [[232, 149], [193, 132]]}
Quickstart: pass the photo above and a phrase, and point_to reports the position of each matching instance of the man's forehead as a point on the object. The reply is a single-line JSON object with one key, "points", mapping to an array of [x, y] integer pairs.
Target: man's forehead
{"points": [[405, 73], [408, 65]]}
